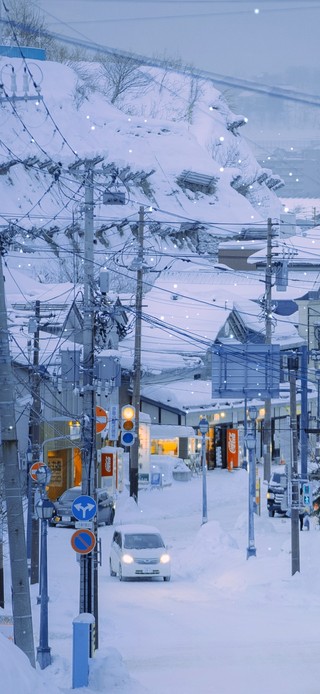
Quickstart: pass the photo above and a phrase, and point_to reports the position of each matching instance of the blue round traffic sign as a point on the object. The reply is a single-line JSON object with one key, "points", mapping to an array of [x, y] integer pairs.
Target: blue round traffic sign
{"points": [[84, 508], [83, 541]]}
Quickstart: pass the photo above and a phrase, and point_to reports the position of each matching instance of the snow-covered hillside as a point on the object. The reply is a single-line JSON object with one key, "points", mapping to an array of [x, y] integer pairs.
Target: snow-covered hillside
{"points": [[173, 145]]}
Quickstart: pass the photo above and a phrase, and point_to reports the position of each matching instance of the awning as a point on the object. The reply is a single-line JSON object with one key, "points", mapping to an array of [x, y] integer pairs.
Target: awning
{"points": [[171, 431]]}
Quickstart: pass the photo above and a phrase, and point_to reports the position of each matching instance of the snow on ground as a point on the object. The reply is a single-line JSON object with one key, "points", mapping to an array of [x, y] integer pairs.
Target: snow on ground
{"points": [[223, 623]]}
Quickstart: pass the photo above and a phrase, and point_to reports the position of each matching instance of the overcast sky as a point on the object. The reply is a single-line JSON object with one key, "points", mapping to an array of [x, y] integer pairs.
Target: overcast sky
{"points": [[243, 38]]}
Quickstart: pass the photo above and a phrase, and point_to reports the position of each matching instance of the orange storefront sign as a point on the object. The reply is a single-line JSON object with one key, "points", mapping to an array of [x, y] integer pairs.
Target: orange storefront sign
{"points": [[232, 448]]}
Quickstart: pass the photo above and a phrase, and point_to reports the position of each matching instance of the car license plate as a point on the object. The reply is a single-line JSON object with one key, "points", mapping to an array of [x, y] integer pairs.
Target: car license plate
{"points": [[148, 571], [65, 518]]}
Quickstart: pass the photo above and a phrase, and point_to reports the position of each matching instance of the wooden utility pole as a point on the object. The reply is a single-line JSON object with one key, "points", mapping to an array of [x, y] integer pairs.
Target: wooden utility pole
{"points": [[21, 604], [134, 454], [268, 339], [34, 429]]}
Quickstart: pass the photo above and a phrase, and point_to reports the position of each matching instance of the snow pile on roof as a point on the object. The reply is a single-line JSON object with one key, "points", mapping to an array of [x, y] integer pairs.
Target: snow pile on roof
{"points": [[185, 311], [296, 249]]}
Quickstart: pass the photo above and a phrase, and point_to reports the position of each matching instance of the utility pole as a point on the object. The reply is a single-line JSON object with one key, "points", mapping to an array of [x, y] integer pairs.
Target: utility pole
{"points": [[21, 604], [268, 338], [1, 540], [204, 428], [304, 420], [34, 434], [134, 455], [293, 365], [89, 562]]}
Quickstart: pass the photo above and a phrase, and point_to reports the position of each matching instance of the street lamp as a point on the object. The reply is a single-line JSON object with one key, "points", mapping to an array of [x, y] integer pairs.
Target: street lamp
{"points": [[251, 446], [204, 428], [318, 416], [44, 510]]}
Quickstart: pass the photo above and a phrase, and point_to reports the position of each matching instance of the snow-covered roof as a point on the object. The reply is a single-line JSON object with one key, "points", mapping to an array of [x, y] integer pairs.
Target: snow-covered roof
{"points": [[158, 153], [298, 250], [171, 431]]}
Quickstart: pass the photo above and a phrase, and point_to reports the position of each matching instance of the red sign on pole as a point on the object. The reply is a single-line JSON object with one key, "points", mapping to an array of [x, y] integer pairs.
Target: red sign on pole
{"points": [[33, 469], [107, 464], [232, 448], [101, 419], [83, 541]]}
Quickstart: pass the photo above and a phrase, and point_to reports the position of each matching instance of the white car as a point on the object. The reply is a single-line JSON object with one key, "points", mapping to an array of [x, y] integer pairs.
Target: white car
{"points": [[138, 551]]}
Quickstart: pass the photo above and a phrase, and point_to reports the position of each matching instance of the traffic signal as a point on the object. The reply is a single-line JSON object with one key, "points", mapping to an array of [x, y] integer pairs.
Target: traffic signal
{"points": [[128, 425], [306, 494]]}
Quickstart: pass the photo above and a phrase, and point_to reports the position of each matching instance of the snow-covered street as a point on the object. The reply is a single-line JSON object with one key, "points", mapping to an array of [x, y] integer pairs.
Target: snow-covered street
{"points": [[223, 623]]}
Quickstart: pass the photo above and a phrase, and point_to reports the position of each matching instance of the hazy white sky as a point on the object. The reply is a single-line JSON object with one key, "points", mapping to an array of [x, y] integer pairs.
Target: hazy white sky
{"points": [[234, 37]]}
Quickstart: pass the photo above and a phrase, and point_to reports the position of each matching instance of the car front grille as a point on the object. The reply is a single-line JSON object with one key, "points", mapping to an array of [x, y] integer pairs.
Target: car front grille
{"points": [[147, 561]]}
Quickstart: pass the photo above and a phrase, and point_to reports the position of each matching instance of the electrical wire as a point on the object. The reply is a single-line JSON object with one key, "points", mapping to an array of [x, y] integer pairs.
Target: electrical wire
{"points": [[36, 86]]}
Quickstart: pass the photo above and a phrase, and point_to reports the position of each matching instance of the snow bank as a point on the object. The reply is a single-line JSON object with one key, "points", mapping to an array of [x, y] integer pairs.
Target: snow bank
{"points": [[17, 675]]}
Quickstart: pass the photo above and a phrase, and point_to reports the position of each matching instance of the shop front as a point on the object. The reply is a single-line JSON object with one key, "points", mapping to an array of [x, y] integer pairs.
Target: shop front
{"points": [[177, 441]]}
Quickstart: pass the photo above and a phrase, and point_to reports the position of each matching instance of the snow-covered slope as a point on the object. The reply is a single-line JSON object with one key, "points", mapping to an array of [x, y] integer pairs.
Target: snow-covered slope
{"points": [[174, 145]]}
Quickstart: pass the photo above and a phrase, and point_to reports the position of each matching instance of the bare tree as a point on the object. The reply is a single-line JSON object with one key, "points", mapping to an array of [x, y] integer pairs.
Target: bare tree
{"points": [[87, 82], [123, 75], [195, 93], [70, 56], [25, 25]]}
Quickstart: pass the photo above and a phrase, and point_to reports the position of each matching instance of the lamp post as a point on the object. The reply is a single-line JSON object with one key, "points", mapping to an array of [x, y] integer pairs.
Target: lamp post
{"points": [[204, 428], [44, 509], [318, 416], [251, 446]]}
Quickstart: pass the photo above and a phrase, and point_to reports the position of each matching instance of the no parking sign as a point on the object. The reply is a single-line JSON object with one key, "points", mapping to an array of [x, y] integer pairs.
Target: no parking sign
{"points": [[83, 541]]}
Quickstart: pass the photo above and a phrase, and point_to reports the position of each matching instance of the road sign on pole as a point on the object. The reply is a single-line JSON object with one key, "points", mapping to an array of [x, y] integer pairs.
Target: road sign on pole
{"points": [[33, 470], [84, 508], [245, 370], [101, 419], [83, 541]]}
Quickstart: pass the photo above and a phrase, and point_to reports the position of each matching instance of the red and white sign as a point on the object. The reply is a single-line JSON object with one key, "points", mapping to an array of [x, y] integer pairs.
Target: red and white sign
{"points": [[33, 469], [101, 419], [83, 541], [232, 448], [107, 464]]}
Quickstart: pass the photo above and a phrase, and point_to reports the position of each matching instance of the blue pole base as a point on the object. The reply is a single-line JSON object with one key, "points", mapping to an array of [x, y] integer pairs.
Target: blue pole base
{"points": [[44, 656], [251, 552]]}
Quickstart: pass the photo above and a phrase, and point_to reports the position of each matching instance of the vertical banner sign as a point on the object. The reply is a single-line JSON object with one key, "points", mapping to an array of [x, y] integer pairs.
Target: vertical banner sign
{"points": [[107, 462], [114, 423], [232, 448]]}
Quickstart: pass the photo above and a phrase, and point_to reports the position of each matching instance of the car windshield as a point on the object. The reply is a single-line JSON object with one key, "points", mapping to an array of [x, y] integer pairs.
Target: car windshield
{"points": [[69, 495], [143, 541]]}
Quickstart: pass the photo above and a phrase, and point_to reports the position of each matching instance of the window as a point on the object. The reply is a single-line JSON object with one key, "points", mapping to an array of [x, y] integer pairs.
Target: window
{"points": [[143, 541]]}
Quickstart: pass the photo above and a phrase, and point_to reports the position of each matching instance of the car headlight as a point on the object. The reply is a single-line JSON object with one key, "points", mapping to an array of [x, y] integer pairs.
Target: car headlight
{"points": [[165, 558], [127, 559], [270, 495]]}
